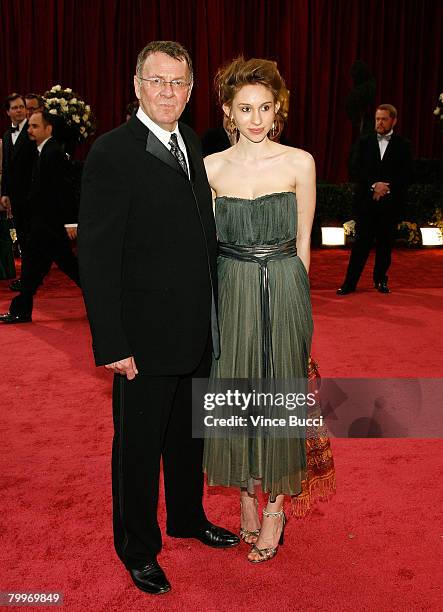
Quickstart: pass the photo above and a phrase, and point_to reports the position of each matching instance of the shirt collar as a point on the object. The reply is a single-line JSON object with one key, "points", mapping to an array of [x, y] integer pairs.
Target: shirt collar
{"points": [[388, 135], [20, 125], [159, 132], [42, 144]]}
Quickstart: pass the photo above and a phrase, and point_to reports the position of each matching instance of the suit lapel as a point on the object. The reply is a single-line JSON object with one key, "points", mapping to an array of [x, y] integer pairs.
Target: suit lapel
{"points": [[22, 138], [375, 147], [158, 150], [7, 146], [192, 156], [153, 145], [390, 148]]}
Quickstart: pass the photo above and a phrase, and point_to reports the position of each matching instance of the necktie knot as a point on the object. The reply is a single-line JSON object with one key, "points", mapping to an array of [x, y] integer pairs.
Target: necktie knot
{"points": [[14, 128], [386, 137], [178, 153], [173, 141]]}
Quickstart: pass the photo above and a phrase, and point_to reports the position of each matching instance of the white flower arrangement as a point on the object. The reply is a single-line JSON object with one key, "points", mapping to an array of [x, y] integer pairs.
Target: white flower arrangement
{"points": [[77, 116], [349, 227], [438, 110]]}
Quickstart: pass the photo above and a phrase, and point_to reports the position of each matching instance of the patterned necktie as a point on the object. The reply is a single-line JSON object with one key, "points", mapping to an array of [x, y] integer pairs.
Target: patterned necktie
{"points": [[178, 153]]}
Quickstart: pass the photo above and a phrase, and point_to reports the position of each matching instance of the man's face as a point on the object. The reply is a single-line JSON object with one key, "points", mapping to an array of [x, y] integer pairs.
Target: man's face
{"points": [[31, 106], [17, 111], [165, 104], [38, 130], [384, 122]]}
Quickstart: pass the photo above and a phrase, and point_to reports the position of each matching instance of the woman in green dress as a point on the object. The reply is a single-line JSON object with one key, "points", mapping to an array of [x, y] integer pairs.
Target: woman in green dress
{"points": [[264, 197]]}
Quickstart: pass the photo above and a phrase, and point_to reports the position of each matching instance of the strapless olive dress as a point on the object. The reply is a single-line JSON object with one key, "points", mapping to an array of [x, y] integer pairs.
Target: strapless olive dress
{"points": [[269, 221]]}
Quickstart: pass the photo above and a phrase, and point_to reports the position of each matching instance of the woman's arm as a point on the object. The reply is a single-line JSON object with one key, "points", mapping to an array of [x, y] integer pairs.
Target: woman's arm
{"points": [[210, 167], [305, 191]]}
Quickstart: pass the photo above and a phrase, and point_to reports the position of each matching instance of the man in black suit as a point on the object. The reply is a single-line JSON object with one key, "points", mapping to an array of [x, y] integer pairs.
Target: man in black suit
{"points": [[218, 139], [147, 253], [33, 103], [18, 155], [51, 205], [382, 169]]}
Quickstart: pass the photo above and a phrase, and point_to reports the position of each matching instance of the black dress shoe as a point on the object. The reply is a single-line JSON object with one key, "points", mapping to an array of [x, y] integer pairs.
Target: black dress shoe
{"points": [[382, 287], [150, 578], [15, 285], [343, 290], [8, 317], [211, 535]]}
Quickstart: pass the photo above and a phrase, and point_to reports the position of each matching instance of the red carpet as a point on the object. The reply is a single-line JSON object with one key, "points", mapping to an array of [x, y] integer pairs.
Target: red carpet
{"points": [[375, 546]]}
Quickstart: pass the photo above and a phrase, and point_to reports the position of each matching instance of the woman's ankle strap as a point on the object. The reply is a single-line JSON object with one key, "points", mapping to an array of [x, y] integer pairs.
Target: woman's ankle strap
{"points": [[274, 514]]}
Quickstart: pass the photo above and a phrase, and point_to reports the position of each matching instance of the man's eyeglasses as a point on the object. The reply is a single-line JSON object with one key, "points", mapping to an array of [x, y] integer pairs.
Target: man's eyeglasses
{"points": [[158, 83]]}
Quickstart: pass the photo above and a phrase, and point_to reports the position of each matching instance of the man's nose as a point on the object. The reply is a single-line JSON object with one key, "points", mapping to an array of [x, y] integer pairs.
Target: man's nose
{"points": [[167, 90]]}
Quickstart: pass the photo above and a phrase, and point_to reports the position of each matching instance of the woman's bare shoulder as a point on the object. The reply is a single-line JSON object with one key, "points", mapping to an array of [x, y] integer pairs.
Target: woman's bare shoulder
{"points": [[215, 161], [301, 158]]}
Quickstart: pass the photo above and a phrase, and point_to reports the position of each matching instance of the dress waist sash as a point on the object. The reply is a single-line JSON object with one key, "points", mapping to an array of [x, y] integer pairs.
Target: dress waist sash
{"points": [[261, 254]]}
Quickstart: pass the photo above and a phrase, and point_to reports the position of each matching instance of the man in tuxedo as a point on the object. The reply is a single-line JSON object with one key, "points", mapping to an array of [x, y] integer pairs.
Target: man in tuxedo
{"points": [[33, 103], [18, 154], [147, 253], [51, 205], [382, 168], [218, 139]]}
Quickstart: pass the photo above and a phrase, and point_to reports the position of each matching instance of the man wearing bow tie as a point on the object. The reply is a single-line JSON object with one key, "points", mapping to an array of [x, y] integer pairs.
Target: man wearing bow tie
{"points": [[382, 169], [18, 155], [147, 254]]}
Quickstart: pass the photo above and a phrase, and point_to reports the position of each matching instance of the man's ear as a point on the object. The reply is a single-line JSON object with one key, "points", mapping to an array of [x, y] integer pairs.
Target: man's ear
{"points": [[189, 91], [394, 122], [137, 86]]}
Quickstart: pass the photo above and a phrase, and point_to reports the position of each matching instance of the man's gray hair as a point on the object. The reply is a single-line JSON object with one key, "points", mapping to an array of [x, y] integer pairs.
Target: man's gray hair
{"points": [[168, 47]]}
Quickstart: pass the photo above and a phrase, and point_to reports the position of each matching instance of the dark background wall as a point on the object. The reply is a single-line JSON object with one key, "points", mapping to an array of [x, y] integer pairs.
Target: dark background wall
{"points": [[91, 46]]}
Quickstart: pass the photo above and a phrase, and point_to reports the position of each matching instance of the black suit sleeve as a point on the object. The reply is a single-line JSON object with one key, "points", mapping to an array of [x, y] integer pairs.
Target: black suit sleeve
{"points": [[104, 207], [5, 167], [361, 170]]}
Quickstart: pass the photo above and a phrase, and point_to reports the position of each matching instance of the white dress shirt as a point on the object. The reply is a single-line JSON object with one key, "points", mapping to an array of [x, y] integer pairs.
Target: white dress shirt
{"points": [[42, 144], [383, 143], [163, 135], [16, 134]]}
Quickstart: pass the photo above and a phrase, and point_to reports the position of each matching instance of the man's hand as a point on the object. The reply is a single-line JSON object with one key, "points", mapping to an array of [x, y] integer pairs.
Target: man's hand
{"points": [[125, 367], [380, 190], [72, 232]]}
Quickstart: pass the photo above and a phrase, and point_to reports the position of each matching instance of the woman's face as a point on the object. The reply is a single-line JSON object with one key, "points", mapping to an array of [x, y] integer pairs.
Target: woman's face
{"points": [[253, 110]]}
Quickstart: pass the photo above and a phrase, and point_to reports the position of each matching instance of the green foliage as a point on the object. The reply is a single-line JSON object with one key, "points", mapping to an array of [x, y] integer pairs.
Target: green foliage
{"points": [[423, 206], [424, 203], [334, 203]]}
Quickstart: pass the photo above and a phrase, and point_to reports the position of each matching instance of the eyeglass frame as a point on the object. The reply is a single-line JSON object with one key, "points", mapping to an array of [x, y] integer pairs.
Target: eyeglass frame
{"points": [[163, 82]]}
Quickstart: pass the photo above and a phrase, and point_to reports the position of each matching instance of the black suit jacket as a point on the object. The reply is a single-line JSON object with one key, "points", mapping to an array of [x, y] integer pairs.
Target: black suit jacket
{"points": [[396, 168], [51, 196], [147, 251], [17, 167], [215, 140]]}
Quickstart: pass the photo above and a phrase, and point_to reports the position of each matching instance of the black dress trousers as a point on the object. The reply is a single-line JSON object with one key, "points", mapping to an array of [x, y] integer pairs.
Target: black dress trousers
{"points": [[375, 223], [153, 421], [45, 245]]}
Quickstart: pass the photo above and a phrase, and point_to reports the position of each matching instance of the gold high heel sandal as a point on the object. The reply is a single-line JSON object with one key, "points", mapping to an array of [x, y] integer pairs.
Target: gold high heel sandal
{"points": [[266, 554], [245, 533]]}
